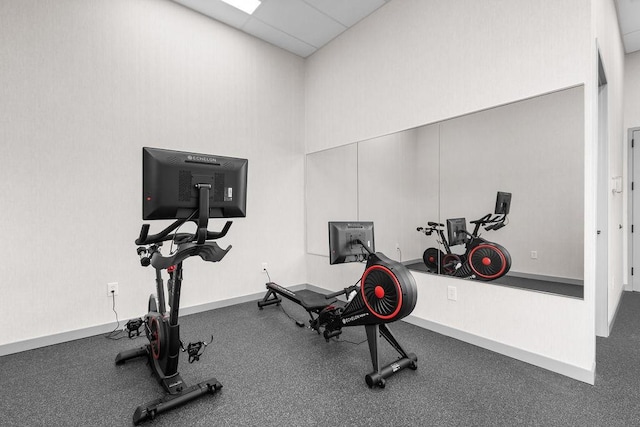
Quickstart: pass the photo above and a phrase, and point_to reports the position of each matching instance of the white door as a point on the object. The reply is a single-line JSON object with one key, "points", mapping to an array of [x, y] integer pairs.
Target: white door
{"points": [[635, 218], [602, 221]]}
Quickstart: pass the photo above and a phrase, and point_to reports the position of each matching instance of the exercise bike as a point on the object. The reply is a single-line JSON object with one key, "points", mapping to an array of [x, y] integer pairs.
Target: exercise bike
{"points": [[385, 293], [197, 200], [162, 328], [482, 259]]}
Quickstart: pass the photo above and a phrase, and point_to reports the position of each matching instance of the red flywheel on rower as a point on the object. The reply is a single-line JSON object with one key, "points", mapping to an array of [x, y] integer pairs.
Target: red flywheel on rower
{"points": [[387, 293]]}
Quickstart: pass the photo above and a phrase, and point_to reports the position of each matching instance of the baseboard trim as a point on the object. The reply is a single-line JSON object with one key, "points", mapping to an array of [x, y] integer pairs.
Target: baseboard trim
{"points": [[565, 280], [615, 314], [542, 277], [33, 343], [59, 338], [571, 371], [195, 309]]}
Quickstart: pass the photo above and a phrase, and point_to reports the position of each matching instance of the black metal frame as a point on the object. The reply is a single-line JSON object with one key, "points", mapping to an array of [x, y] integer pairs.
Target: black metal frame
{"points": [[163, 350], [332, 315], [459, 265]]}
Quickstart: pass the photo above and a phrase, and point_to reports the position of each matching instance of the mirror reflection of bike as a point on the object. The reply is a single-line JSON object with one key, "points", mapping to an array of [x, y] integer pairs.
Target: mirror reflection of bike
{"points": [[482, 259]]}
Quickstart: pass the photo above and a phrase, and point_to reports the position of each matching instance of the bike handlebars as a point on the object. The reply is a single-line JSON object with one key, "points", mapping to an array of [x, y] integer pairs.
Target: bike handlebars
{"points": [[145, 257], [494, 227], [488, 219], [208, 251], [164, 235]]}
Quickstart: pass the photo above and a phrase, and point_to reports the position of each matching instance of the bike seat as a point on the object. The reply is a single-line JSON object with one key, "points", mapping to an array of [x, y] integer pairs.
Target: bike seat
{"points": [[434, 224]]}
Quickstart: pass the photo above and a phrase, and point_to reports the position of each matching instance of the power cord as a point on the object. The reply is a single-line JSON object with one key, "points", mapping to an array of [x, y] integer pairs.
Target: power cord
{"points": [[113, 335], [297, 322], [175, 233], [132, 326]]}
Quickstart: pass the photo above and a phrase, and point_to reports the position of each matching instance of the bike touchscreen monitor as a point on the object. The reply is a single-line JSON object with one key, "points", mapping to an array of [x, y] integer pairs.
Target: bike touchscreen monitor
{"points": [[170, 181], [457, 228], [503, 203]]}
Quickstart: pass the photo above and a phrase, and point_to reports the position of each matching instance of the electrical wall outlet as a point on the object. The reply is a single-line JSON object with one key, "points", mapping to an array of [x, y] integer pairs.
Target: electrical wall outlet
{"points": [[452, 293], [264, 267], [112, 288], [534, 254]]}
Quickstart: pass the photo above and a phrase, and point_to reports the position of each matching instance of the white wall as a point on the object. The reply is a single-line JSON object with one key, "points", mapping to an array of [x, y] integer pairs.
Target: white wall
{"points": [[608, 39], [632, 90], [535, 150], [415, 62], [86, 84], [631, 121], [398, 181]]}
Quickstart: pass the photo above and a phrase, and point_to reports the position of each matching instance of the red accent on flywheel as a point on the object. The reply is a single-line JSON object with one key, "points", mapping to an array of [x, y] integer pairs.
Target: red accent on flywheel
{"points": [[486, 260], [155, 338], [395, 282], [379, 291], [500, 255]]}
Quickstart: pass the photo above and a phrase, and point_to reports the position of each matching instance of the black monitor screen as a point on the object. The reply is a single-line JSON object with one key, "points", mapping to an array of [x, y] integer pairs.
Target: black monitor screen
{"points": [[457, 228], [344, 238], [503, 203], [169, 180]]}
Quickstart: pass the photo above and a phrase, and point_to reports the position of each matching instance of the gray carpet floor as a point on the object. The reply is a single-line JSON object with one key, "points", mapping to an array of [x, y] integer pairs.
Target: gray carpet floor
{"points": [[277, 374]]}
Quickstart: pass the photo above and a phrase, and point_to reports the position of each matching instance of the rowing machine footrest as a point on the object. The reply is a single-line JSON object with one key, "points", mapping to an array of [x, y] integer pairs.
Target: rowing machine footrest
{"points": [[377, 378]]}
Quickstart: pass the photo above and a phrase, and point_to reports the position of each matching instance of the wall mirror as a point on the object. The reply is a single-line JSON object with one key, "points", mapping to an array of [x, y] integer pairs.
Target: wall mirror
{"points": [[533, 149]]}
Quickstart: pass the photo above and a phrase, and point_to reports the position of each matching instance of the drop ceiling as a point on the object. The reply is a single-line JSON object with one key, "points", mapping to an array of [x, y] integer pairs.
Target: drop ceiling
{"points": [[299, 26], [304, 26], [629, 20]]}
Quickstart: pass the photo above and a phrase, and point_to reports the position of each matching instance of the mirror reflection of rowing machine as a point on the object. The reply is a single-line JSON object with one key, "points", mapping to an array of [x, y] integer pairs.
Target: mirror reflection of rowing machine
{"points": [[386, 292]]}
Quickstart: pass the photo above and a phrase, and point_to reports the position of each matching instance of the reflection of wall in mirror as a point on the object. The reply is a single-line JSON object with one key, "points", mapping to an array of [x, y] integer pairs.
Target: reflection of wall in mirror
{"points": [[331, 193], [532, 148], [535, 150], [398, 188]]}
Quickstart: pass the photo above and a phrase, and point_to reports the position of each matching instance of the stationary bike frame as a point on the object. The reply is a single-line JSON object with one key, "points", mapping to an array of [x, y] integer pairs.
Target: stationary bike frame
{"points": [[162, 328]]}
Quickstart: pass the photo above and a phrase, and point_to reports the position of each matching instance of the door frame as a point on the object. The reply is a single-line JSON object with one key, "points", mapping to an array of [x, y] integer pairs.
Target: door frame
{"points": [[634, 168], [602, 205]]}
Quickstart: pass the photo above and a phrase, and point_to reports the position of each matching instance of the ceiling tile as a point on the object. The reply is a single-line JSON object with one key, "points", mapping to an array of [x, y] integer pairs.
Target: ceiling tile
{"points": [[628, 15], [218, 10], [631, 42], [276, 37], [299, 20], [348, 12]]}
